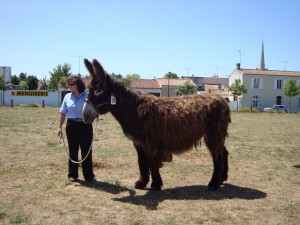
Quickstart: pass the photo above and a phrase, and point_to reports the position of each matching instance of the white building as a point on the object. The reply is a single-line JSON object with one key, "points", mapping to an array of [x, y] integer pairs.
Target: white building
{"points": [[6, 72], [265, 87]]}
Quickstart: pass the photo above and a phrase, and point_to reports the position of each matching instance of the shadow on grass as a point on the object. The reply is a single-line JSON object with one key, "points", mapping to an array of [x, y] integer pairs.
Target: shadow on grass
{"points": [[197, 192], [107, 187], [297, 166]]}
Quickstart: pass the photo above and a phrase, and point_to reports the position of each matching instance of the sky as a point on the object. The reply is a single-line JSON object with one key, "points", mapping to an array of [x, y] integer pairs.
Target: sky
{"points": [[151, 38]]}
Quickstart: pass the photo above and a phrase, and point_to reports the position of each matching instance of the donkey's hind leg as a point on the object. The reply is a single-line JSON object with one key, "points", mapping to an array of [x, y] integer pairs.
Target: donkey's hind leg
{"points": [[142, 182], [225, 164]]}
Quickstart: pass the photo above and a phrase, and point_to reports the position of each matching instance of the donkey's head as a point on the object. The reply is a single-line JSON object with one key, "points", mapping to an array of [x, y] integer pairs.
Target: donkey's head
{"points": [[99, 98]]}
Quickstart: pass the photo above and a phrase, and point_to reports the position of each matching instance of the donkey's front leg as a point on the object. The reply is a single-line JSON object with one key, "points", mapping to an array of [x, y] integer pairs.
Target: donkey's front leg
{"points": [[144, 168], [157, 182]]}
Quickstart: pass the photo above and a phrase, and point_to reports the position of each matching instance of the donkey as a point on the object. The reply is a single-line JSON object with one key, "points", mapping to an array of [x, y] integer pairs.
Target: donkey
{"points": [[161, 126]]}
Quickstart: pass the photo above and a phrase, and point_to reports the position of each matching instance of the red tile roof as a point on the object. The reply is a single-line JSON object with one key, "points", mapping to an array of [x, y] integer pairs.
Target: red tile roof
{"points": [[173, 82], [145, 84]]}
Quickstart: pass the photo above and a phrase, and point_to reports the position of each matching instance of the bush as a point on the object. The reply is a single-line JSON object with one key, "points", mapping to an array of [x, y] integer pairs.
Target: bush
{"points": [[33, 105], [246, 110]]}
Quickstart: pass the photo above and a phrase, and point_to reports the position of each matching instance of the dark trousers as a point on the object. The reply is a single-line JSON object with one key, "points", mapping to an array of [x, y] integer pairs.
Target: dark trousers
{"points": [[80, 135]]}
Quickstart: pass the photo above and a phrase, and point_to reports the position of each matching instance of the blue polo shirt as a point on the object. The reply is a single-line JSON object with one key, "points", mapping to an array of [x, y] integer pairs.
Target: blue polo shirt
{"points": [[73, 106]]}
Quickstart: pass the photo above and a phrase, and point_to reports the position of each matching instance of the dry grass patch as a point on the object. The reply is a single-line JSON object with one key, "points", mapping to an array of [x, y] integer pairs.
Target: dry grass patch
{"points": [[263, 185]]}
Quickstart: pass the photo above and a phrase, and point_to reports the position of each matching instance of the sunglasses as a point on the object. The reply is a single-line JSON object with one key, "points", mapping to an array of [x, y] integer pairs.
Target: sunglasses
{"points": [[71, 84]]}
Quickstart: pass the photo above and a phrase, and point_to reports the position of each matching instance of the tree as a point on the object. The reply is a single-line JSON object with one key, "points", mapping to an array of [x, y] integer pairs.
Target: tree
{"points": [[23, 76], [187, 88], [116, 76], [59, 76], [15, 80], [129, 78], [170, 75], [291, 89], [237, 89], [32, 82], [2, 83], [24, 85]]}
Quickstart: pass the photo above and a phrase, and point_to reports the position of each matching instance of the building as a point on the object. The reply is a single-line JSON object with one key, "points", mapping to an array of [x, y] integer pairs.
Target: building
{"points": [[265, 87], [6, 72], [160, 86], [202, 81]]}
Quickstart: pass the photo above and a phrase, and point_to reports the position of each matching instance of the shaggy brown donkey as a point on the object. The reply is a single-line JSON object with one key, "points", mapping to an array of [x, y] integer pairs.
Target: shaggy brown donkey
{"points": [[161, 126]]}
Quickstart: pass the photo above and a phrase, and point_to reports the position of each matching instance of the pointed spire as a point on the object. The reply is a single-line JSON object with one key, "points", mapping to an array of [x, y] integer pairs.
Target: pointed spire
{"points": [[262, 58]]}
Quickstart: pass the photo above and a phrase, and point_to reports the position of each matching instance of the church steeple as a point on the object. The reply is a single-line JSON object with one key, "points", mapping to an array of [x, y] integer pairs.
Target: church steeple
{"points": [[262, 58]]}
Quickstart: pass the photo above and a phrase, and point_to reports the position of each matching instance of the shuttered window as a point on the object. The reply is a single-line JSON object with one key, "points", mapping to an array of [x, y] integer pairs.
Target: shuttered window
{"points": [[257, 83], [278, 84]]}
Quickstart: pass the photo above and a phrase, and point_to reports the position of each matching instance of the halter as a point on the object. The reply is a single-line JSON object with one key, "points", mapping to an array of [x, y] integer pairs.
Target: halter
{"points": [[113, 101]]}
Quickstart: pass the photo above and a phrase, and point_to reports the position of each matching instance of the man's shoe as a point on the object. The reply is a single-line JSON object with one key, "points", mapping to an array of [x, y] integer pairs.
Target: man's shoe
{"points": [[90, 180], [72, 179]]}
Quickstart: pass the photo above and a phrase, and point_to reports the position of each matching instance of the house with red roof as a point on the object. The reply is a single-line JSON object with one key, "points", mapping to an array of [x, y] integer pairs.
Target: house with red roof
{"points": [[265, 87]]}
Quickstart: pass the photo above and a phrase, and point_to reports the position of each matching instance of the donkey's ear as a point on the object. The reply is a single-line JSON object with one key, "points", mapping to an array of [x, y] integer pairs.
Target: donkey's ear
{"points": [[99, 70], [89, 67]]}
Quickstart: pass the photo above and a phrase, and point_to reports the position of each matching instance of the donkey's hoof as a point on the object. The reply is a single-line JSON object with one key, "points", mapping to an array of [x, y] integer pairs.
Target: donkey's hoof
{"points": [[213, 186], [154, 188], [224, 177], [140, 185]]}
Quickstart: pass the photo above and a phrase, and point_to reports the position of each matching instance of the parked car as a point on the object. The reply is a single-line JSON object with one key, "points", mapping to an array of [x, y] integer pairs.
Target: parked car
{"points": [[277, 107]]}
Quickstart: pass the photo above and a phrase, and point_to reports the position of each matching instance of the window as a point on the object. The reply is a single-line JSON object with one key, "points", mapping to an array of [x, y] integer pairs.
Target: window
{"points": [[256, 83], [279, 83], [255, 101]]}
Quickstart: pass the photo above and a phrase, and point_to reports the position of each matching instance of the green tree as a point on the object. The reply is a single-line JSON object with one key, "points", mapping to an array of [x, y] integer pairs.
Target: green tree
{"points": [[15, 80], [237, 89], [32, 82], [59, 76], [291, 89], [129, 78], [187, 88], [23, 76], [116, 76], [24, 85], [2, 83], [170, 75]]}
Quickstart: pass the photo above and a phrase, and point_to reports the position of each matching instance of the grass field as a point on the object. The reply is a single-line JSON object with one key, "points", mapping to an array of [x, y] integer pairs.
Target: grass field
{"points": [[263, 185]]}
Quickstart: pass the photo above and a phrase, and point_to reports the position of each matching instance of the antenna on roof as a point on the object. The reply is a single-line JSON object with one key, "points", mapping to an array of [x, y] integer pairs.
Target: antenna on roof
{"points": [[187, 71], [240, 53], [284, 64], [218, 68]]}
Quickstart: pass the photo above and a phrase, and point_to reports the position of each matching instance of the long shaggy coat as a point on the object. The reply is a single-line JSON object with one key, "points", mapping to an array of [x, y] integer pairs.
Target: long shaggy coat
{"points": [[160, 126]]}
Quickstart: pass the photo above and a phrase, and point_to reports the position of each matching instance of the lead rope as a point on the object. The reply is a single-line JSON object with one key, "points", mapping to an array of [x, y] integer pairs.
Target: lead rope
{"points": [[65, 147]]}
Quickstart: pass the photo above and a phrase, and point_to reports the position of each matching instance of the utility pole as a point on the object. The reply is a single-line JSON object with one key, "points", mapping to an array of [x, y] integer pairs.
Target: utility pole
{"points": [[79, 57], [169, 86]]}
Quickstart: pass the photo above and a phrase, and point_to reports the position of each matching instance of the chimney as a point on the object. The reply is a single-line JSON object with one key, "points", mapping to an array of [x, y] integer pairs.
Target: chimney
{"points": [[238, 66]]}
